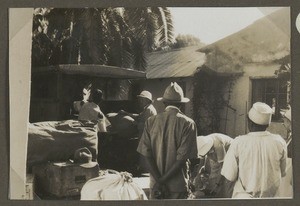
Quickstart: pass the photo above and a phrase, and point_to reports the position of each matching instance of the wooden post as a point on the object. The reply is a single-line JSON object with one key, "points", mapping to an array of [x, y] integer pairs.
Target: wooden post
{"points": [[246, 117], [20, 42], [59, 101]]}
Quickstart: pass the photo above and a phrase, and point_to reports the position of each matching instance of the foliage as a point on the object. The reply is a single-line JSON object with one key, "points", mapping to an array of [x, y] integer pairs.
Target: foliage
{"points": [[284, 72], [111, 36], [186, 40], [209, 99]]}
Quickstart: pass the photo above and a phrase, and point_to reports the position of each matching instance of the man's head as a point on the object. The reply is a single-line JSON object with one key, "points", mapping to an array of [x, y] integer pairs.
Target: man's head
{"points": [[144, 98], [259, 117], [174, 96], [205, 146], [97, 96]]}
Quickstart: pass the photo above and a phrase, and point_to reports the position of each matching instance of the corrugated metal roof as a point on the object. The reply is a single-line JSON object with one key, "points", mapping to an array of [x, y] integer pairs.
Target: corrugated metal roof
{"points": [[174, 63], [94, 70]]}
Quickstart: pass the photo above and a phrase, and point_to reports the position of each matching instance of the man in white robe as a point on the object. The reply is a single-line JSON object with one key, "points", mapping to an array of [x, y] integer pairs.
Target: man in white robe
{"points": [[256, 162]]}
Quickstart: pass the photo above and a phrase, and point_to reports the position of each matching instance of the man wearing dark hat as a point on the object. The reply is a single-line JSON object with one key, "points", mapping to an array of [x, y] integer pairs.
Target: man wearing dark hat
{"points": [[168, 141], [147, 110], [256, 162]]}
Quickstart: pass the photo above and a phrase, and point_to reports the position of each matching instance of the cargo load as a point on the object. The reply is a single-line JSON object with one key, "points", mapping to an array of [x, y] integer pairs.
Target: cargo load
{"points": [[117, 147], [123, 125], [56, 141]]}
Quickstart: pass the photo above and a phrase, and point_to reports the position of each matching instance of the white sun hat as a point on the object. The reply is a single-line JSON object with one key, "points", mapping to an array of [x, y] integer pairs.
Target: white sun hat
{"points": [[260, 113], [204, 144], [146, 94]]}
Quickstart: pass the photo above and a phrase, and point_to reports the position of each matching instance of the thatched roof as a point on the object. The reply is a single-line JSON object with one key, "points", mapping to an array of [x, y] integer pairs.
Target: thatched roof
{"points": [[93, 70], [181, 62], [265, 41]]}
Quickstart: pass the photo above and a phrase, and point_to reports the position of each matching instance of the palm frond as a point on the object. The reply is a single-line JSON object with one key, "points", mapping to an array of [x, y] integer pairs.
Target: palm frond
{"points": [[136, 18], [167, 30], [151, 28], [107, 35], [127, 58], [160, 30], [139, 59], [170, 26], [93, 45], [59, 22]]}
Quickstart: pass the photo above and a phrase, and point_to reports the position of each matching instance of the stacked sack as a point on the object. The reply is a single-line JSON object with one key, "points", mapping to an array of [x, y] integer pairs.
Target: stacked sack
{"points": [[112, 185]]}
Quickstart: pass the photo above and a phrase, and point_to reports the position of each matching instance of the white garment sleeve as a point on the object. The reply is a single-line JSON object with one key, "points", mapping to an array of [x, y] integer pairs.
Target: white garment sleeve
{"points": [[230, 166], [283, 160]]}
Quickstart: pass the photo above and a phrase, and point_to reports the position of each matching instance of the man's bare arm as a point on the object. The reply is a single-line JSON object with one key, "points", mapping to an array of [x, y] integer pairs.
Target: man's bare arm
{"points": [[152, 167]]}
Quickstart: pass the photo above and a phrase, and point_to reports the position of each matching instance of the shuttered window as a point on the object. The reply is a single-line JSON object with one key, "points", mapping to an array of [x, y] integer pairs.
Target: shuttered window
{"points": [[272, 91]]}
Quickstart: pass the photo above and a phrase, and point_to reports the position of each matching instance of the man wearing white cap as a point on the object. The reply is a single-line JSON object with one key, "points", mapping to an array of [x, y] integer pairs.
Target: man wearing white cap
{"points": [[256, 162], [168, 141], [147, 110]]}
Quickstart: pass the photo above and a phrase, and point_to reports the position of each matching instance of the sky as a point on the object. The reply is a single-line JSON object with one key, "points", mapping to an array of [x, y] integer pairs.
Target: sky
{"points": [[212, 24]]}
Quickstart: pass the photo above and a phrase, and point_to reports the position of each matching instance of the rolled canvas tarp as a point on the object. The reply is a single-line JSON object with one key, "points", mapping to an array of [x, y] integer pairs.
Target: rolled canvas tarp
{"points": [[58, 140]]}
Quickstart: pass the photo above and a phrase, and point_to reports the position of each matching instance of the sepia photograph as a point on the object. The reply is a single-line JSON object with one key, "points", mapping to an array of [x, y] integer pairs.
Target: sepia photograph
{"points": [[150, 103]]}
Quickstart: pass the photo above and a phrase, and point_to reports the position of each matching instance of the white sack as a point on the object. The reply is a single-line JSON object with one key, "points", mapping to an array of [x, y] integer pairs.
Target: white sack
{"points": [[112, 186]]}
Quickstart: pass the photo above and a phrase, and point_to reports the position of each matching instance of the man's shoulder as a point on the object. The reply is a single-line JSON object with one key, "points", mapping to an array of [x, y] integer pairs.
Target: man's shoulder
{"points": [[185, 118], [222, 137], [152, 118], [277, 138], [240, 138], [90, 106], [151, 109], [249, 137]]}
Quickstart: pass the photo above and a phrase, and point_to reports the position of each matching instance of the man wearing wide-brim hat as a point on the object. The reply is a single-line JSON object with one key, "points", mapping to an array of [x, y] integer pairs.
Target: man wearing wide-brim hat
{"points": [[147, 110], [168, 141], [256, 162]]}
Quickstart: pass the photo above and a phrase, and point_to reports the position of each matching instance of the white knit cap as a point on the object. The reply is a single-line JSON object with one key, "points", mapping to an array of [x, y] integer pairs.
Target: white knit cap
{"points": [[260, 113], [204, 144]]}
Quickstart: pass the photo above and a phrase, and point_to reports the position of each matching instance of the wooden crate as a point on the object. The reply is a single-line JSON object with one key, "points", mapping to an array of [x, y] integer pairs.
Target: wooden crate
{"points": [[62, 179]]}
